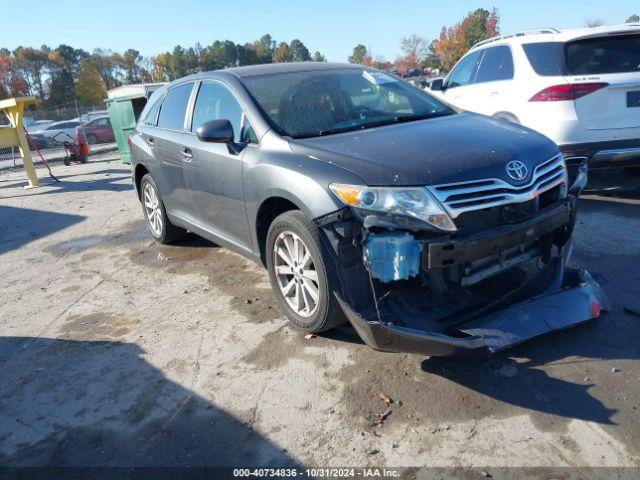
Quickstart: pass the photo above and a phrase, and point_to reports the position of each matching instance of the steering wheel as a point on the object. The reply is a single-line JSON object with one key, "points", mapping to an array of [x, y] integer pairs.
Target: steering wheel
{"points": [[361, 111]]}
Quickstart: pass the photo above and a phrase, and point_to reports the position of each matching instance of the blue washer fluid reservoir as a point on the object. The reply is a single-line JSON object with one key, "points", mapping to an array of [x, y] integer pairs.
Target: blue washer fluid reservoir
{"points": [[392, 255]]}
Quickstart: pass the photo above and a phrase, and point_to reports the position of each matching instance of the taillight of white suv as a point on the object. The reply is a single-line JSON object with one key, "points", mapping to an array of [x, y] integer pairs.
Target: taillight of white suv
{"points": [[567, 91]]}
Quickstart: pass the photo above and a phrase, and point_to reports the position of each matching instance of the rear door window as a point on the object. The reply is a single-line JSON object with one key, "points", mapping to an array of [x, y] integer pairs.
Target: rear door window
{"points": [[497, 64], [596, 56], [465, 72], [174, 107]]}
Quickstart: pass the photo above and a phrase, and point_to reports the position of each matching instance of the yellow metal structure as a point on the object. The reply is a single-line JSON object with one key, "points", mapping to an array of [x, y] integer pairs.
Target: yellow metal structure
{"points": [[14, 136]]}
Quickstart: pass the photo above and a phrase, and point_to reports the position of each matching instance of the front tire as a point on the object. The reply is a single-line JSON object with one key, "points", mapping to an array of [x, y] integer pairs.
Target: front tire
{"points": [[302, 274], [161, 228]]}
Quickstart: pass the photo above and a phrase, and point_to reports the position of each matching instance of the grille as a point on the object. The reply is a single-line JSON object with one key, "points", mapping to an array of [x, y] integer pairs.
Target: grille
{"points": [[463, 197]]}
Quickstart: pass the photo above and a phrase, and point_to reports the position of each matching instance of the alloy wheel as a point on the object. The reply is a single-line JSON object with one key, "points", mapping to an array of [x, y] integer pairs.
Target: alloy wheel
{"points": [[296, 274], [153, 209]]}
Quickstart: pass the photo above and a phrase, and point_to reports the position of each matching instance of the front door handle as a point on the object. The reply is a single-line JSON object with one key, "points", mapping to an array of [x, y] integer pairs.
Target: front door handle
{"points": [[151, 141], [186, 154]]}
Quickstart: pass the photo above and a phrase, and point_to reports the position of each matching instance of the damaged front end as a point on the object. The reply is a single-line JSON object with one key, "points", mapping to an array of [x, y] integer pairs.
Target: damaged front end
{"points": [[499, 279]]}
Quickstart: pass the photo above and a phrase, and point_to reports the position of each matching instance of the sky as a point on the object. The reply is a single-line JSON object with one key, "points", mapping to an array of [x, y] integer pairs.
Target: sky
{"points": [[333, 27]]}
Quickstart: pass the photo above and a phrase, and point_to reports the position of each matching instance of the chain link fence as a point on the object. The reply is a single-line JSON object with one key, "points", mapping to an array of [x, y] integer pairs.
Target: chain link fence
{"points": [[60, 134]]}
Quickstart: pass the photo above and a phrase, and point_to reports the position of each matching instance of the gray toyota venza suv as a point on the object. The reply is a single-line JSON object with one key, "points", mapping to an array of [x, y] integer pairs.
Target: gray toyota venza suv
{"points": [[430, 229]]}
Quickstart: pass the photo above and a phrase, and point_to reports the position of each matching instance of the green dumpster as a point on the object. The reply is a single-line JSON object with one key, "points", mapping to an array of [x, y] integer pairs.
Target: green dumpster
{"points": [[124, 105]]}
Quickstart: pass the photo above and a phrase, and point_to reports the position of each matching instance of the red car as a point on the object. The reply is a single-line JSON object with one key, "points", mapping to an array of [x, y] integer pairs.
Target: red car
{"points": [[97, 130]]}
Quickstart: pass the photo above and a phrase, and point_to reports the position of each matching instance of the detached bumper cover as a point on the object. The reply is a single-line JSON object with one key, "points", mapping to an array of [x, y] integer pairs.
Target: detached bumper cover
{"points": [[577, 301]]}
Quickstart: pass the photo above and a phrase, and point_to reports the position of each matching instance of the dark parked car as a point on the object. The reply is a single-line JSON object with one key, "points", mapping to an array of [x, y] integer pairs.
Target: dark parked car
{"points": [[430, 229], [97, 130]]}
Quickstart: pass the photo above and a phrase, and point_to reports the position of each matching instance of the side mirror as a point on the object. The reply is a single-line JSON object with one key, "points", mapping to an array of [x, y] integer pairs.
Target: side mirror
{"points": [[216, 131], [437, 84]]}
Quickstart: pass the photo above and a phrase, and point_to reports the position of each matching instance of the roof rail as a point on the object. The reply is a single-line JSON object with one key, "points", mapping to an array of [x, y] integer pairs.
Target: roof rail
{"points": [[537, 31]]}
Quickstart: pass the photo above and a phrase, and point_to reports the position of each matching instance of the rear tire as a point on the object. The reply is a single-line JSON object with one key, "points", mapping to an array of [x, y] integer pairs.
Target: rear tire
{"points": [[300, 269], [161, 228]]}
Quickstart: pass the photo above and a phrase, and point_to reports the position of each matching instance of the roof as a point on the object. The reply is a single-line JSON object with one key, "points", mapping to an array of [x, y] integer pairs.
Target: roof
{"points": [[271, 68], [274, 68], [554, 35]]}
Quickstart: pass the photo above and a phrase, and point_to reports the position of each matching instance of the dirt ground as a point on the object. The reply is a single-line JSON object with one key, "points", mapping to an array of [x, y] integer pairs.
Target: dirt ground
{"points": [[115, 351]]}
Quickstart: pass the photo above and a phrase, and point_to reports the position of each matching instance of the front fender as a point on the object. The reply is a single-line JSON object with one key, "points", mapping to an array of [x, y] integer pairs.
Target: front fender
{"points": [[302, 180]]}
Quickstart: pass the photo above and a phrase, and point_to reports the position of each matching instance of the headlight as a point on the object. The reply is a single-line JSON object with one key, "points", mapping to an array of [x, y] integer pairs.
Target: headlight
{"points": [[413, 202]]}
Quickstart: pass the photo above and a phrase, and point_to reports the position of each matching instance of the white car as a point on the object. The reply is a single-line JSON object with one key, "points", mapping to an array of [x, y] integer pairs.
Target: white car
{"points": [[581, 88], [35, 125], [59, 132]]}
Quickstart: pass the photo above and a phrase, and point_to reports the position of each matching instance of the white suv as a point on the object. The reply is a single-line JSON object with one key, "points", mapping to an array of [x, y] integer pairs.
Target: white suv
{"points": [[581, 88]]}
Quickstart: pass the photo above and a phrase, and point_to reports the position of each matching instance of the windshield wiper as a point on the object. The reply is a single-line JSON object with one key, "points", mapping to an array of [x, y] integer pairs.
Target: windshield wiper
{"points": [[401, 119], [411, 118], [331, 131], [379, 123]]}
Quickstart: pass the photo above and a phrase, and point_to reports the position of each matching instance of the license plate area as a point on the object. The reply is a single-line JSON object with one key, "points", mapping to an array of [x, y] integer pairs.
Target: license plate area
{"points": [[633, 99]]}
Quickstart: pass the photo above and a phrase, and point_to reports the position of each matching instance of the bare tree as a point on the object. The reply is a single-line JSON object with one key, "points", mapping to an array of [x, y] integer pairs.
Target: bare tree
{"points": [[594, 22], [414, 50]]}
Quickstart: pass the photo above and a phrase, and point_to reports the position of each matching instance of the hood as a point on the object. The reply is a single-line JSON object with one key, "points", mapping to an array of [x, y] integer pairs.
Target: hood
{"points": [[454, 148]]}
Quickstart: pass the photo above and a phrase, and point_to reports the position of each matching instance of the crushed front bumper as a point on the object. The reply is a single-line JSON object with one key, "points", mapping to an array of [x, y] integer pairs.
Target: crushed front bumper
{"points": [[579, 299]]}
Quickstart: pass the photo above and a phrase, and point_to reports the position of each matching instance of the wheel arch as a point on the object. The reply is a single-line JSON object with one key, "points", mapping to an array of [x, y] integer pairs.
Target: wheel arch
{"points": [[508, 116], [268, 211], [139, 172]]}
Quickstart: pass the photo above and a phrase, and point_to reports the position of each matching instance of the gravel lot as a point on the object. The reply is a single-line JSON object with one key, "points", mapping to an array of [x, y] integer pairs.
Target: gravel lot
{"points": [[115, 351]]}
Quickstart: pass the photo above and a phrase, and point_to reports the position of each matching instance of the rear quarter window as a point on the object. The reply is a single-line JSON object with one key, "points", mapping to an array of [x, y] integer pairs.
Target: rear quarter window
{"points": [[546, 58], [149, 114]]}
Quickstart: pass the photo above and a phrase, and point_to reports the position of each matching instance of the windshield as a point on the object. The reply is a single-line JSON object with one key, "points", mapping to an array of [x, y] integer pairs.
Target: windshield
{"points": [[311, 104]]}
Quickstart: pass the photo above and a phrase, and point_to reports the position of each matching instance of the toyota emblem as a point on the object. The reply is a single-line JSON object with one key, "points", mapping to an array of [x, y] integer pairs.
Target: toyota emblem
{"points": [[517, 170]]}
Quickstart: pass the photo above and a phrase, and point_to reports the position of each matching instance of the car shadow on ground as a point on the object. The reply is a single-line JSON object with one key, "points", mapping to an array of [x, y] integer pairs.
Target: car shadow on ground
{"points": [[20, 226], [527, 375], [112, 179], [100, 404]]}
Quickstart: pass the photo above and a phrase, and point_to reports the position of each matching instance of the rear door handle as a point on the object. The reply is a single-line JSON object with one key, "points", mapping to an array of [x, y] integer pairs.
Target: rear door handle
{"points": [[151, 141], [186, 154]]}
